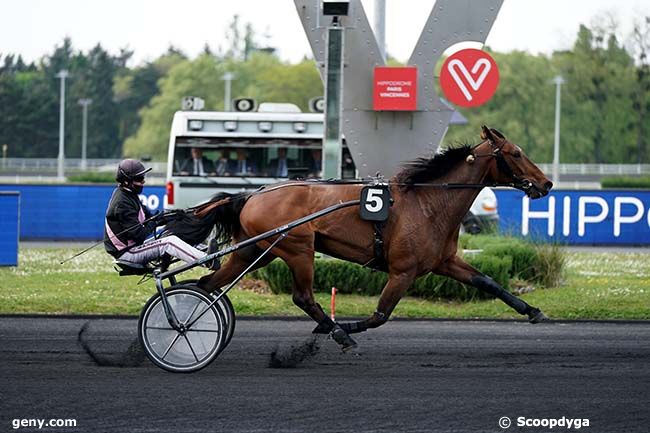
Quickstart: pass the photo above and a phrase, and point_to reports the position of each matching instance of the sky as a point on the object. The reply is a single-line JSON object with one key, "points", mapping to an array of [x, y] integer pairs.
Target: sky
{"points": [[33, 27]]}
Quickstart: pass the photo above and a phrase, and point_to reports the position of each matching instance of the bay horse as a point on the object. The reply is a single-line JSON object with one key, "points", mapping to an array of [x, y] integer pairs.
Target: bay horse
{"points": [[420, 235]]}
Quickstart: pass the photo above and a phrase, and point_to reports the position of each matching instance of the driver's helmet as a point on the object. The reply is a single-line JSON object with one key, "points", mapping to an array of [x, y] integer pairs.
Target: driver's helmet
{"points": [[129, 169]]}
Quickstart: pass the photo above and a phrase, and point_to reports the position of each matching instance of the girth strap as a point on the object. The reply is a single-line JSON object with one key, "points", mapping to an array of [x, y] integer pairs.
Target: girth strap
{"points": [[379, 261]]}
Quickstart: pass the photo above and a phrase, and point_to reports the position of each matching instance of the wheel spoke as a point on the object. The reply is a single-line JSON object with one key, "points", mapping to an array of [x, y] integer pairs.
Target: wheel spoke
{"points": [[170, 345], [188, 326], [159, 328], [171, 309], [198, 301], [203, 330], [191, 348]]}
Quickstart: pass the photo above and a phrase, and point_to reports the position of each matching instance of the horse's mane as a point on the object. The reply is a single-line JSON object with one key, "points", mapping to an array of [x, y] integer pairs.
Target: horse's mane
{"points": [[422, 169]]}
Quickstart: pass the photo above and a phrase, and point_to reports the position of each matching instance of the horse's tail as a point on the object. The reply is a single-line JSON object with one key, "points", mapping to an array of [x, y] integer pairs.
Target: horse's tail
{"points": [[222, 212]]}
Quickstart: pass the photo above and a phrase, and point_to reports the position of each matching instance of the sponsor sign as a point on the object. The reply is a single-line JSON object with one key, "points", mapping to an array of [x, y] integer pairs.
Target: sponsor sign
{"points": [[70, 212], [395, 89], [469, 77], [578, 217]]}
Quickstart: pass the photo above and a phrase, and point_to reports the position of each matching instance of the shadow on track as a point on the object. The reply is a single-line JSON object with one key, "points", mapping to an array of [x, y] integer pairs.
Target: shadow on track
{"points": [[132, 357]]}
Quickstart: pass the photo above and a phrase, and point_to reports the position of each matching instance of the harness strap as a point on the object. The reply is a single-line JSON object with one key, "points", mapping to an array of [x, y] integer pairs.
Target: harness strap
{"points": [[379, 260]]}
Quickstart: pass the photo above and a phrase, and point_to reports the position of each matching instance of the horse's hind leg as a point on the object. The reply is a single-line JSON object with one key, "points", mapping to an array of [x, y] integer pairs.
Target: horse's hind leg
{"points": [[459, 270], [398, 283], [302, 268]]}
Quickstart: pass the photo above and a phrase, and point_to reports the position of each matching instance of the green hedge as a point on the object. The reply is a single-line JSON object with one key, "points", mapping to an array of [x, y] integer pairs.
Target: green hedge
{"points": [[522, 253], [92, 177], [502, 259], [637, 182]]}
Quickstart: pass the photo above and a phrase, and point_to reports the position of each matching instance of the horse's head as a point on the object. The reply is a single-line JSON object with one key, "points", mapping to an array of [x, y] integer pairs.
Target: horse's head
{"points": [[512, 166]]}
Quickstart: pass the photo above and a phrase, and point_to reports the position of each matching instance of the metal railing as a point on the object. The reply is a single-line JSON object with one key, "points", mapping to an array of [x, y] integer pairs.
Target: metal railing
{"points": [[599, 169], [46, 165], [11, 166]]}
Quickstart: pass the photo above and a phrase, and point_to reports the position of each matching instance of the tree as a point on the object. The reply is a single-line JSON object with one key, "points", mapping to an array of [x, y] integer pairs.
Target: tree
{"points": [[641, 95], [26, 101], [273, 81], [187, 78], [96, 83], [240, 41], [598, 91]]}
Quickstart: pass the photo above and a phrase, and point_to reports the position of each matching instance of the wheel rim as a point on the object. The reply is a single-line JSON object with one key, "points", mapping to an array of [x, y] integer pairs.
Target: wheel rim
{"points": [[188, 350]]}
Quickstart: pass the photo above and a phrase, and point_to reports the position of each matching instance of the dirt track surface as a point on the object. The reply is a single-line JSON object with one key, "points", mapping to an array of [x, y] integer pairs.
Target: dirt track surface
{"points": [[409, 376]]}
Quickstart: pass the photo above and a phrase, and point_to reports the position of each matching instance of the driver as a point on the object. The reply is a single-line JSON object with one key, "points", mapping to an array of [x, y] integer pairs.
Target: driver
{"points": [[128, 224]]}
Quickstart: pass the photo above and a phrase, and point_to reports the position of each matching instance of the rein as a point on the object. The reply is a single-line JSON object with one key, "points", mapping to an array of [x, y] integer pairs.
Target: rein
{"points": [[373, 181], [502, 164]]}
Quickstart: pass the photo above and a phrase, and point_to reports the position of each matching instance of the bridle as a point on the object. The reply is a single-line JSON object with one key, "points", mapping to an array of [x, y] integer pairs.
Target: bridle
{"points": [[503, 166]]}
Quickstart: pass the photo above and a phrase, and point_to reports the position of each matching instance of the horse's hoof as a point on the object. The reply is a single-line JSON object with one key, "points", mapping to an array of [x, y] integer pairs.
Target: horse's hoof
{"points": [[536, 316], [342, 338], [350, 347]]}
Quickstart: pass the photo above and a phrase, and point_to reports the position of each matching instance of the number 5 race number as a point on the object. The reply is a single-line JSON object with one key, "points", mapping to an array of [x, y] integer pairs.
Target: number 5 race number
{"points": [[375, 201]]}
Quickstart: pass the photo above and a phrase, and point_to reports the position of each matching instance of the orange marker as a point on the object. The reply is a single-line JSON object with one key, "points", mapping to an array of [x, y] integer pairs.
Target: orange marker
{"points": [[333, 303]]}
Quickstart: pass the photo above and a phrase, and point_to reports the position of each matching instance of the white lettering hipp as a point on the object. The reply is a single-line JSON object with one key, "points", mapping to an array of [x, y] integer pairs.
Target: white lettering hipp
{"points": [[592, 210], [527, 214]]}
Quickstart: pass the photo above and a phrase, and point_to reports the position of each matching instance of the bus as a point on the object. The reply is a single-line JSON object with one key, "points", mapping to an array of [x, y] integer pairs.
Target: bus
{"points": [[242, 151], [245, 150]]}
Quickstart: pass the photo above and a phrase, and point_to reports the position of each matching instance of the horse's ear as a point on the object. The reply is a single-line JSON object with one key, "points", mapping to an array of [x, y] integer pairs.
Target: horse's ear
{"points": [[498, 133], [486, 134]]}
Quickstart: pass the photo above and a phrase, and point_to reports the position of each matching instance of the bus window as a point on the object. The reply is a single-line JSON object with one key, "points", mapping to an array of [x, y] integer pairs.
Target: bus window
{"points": [[271, 160]]}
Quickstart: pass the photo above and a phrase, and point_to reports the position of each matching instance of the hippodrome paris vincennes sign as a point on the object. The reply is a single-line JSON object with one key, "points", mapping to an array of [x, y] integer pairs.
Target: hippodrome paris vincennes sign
{"points": [[395, 89]]}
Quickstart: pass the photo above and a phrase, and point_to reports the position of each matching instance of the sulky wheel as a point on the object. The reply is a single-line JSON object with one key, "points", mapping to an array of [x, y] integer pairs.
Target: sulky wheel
{"points": [[226, 308], [184, 350]]}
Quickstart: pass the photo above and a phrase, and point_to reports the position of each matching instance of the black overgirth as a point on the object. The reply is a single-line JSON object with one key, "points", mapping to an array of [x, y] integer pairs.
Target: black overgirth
{"points": [[378, 261]]}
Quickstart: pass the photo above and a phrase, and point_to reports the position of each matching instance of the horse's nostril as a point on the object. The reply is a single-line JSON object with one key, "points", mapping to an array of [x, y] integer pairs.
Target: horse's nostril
{"points": [[548, 185]]}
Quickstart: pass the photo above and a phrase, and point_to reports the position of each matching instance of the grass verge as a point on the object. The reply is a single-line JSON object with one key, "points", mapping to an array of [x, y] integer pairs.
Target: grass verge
{"points": [[596, 286]]}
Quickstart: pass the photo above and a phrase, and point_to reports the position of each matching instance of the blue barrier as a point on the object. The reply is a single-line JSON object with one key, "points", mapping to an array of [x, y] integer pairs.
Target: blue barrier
{"points": [[9, 227], [578, 217], [61, 212], [66, 212]]}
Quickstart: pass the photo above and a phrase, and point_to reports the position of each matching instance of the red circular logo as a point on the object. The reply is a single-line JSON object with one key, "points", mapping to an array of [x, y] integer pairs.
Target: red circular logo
{"points": [[469, 77]]}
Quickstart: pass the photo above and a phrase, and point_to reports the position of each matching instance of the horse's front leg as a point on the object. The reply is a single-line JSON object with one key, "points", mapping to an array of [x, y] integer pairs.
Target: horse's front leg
{"points": [[461, 271]]}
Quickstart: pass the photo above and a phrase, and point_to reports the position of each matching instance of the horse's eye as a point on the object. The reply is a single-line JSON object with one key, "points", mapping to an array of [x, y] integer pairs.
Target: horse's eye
{"points": [[516, 154]]}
